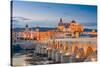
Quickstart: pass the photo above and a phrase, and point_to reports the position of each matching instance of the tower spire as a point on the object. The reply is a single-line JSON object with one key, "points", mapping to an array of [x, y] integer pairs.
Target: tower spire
{"points": [[61, 20], [26, 26]]}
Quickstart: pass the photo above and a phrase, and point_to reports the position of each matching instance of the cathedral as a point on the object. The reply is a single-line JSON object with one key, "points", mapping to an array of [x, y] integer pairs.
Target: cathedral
{"points": [[73, 28]]}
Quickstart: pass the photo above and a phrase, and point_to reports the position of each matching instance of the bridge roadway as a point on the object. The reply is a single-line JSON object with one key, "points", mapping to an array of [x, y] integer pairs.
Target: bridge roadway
{"points": [[81, 39]]}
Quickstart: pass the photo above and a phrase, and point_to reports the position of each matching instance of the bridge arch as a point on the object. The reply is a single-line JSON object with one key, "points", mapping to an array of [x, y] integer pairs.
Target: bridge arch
{"points": [[89, 51]]}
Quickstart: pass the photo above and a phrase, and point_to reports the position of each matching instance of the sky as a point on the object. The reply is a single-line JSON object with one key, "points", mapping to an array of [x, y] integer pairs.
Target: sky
{"points": [[48, 14]]}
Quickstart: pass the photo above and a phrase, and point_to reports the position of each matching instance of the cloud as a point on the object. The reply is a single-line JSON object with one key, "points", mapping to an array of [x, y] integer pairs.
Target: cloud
{"points": [[21, 19]]}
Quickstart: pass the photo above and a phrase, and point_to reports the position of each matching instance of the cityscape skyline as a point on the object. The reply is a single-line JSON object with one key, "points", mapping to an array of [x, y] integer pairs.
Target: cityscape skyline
{"points": [[48, 14]]}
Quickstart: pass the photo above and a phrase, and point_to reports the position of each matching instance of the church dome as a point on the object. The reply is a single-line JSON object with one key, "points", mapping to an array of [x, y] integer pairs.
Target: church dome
{"points": [[73, 21]]}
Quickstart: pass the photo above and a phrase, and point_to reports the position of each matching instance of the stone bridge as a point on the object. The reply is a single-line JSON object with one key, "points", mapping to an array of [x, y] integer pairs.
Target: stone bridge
{"points": [[80, 47]]}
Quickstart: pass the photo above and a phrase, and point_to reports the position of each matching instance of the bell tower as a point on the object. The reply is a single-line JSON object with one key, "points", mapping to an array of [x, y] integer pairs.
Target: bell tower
{"points": [[61, 25], [26, 27]]}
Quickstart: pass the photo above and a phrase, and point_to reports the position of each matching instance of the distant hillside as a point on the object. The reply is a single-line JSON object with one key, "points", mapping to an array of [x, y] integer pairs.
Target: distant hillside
{"points": [[44, 29], [41, 29], [87, 30]]}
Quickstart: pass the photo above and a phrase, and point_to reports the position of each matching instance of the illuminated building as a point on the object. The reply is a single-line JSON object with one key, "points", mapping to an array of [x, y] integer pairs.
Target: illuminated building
{"points": [[73, 29]]}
